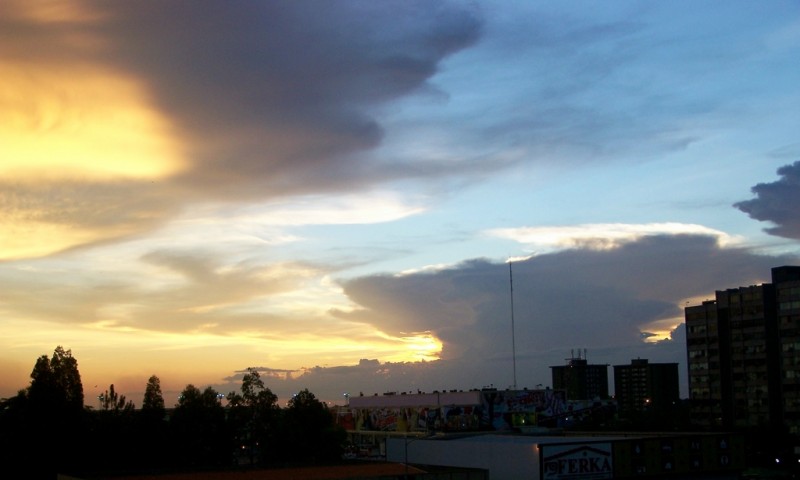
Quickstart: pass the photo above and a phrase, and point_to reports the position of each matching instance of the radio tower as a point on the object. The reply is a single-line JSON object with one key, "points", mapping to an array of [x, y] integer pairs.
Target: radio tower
{"points": [[513, 342]]}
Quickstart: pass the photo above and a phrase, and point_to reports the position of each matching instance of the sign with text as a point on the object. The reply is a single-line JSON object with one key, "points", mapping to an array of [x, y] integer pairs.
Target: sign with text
{"points": [[572, 461]]}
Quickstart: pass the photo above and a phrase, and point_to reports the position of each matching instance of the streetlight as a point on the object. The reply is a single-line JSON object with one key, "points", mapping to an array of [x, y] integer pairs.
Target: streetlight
{"points": [[405, 462]]}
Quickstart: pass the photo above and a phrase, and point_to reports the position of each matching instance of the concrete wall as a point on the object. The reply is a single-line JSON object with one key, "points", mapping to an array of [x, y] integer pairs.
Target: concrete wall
{"points": [[504, 457]]}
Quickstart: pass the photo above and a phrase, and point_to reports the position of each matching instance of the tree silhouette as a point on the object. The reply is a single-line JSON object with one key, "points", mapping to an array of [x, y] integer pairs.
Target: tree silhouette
{"points": [[111, 400], [50, 408], [46, 429], [311, 433], [199, 430], [253, 416], [151, 432], [112, 429], [56, 384], [153, 401]]}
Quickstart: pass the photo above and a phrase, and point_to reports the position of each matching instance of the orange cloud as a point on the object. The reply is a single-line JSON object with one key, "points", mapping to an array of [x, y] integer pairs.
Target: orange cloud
{"points": [[81, 123], [76, 140]]}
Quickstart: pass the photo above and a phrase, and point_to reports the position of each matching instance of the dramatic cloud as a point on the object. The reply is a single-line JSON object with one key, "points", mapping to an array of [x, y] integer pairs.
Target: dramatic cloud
{"points": [[274, 98], [599, 236], [778, 202], [181, 102], [44, 218], [328, 190], [608, 301]]}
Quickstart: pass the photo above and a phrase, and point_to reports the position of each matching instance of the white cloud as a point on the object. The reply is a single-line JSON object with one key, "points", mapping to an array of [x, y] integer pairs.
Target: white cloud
{"points": [[601, 236], [362, 208]]}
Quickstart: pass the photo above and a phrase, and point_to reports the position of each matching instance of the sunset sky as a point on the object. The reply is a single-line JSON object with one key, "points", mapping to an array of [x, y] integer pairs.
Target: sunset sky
{"points": [[332, 191]]}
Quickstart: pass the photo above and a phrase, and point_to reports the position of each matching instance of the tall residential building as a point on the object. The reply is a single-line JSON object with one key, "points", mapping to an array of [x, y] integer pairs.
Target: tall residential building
{"points": [[645, 387], [580, 380], [787, 289], [705, 352], [741, 348]]}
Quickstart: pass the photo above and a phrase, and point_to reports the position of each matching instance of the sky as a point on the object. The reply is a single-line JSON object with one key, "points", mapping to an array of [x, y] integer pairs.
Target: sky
{"points": [[360, 197]]}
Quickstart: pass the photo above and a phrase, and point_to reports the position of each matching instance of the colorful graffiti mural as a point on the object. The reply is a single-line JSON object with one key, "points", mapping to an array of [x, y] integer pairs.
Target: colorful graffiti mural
{"points": [[492, 410], [513, 408]]}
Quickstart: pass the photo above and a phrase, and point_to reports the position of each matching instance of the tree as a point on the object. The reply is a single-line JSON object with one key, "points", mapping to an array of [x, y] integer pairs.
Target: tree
{"points": [[50, 408], [152, 445], [112, 401], [113, 429], [153, 399], [56, 384], [65, 367], [309, 427], [199, 429], [253, 417]]}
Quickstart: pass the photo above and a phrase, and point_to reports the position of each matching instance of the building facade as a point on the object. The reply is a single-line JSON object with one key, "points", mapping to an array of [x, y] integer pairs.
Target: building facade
{"points": [[743, 369], [371, 420], [581, 380], [787, 289], [561, 457], [644, 387]]}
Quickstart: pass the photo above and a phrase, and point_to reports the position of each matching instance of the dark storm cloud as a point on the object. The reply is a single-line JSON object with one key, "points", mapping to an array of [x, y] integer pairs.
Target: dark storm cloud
{"points": [[577, 296], [259, 99], [777, 202], [274, 97], [603, 301]]}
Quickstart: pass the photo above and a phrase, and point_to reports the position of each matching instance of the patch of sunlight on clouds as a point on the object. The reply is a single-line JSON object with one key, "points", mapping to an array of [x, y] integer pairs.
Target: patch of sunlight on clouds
{"points": [[238, 236], [313, 297], [73, 124], [262, 224], [423, 346], [602, 236], [80, 123], [22, 238], [410, 347], [364, 208], [438, 267], [659, 330], [291, 349]]}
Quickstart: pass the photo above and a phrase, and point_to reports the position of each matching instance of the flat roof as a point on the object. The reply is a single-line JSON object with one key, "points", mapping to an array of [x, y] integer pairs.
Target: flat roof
{"points": [[332, 472]]}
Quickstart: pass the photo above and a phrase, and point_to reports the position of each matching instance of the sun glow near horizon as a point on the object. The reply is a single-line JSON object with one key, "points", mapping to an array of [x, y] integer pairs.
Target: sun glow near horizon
{"points": [[175, 355]]}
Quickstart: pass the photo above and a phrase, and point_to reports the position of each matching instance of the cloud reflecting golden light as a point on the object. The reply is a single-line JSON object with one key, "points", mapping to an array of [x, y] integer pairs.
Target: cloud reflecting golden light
{"points": [[602, 236], [424, 346], [76, 139], [80, 123], [660, 329]]}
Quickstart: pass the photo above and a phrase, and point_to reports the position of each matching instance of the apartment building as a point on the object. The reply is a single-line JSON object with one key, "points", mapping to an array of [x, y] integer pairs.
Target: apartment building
{"points": [[580, 379], [644, 387], [741, 347]]}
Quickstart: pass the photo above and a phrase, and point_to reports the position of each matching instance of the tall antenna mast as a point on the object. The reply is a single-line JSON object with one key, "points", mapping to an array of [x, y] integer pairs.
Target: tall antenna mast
{"points": [[513, 342]]}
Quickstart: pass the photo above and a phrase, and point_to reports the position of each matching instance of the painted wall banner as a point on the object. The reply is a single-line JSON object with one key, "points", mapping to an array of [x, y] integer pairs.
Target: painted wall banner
{"points": [[565, 461]]}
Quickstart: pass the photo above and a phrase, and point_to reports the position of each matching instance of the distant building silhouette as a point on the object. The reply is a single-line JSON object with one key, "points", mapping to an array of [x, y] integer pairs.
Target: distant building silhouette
{"points": [[743, 352], [644, 387], [580, 380]]}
